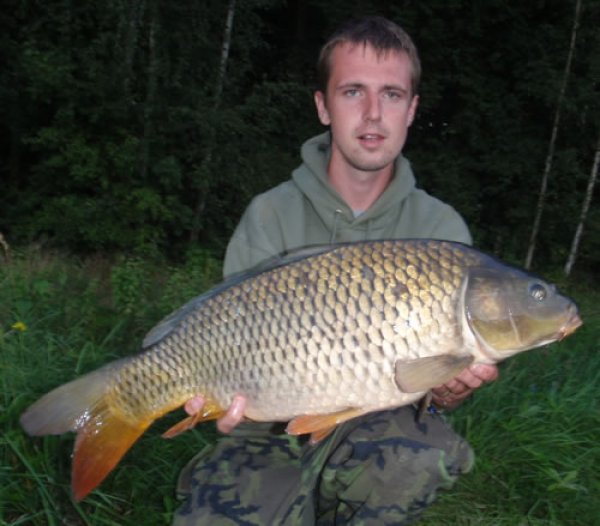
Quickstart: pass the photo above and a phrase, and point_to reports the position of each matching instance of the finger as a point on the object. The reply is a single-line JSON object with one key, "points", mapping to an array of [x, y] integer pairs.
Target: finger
{"points": [[485, 372], [465, 380], [454, 392], [449, 396], [233, 416], [450, 400], [453, 387], [194, 405], [471, 378]]}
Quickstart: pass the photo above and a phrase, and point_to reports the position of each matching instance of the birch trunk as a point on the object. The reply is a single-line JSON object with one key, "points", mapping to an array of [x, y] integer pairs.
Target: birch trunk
{"points": [[224, 52], [150, 91], [135, 12], [205, 164], [551, 147], [584, 211]]}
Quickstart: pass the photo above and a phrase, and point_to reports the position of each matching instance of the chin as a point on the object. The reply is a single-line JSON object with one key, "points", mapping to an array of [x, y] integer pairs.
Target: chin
{"points": [[374, 165]]}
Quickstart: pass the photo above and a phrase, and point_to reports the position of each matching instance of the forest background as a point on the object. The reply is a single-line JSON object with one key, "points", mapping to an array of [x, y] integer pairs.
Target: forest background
{"points": [[147, 126]]}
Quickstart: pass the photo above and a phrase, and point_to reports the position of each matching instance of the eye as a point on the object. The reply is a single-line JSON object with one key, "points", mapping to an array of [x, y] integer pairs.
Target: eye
{"points": [[393, 95], [352, 92], [538, 292]]}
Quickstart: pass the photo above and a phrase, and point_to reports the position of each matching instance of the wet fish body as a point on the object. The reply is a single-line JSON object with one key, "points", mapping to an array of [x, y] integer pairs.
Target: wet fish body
{"points": [[322, 336]]}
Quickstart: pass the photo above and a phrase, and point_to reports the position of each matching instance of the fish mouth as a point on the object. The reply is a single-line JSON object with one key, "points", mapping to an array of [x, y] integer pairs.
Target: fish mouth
{"points": [[570, 327]]}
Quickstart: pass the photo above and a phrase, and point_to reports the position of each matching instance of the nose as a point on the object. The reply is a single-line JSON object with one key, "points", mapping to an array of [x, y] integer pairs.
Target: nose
{"points": [[372, 107]]}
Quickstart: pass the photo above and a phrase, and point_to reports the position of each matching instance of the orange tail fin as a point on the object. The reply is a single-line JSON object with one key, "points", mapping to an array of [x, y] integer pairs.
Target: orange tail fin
{"points": [[103, 437], [100, 444]]}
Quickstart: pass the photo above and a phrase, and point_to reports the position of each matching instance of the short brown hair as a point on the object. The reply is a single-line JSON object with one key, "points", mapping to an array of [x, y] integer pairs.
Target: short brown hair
{"points": [[379, 32]]}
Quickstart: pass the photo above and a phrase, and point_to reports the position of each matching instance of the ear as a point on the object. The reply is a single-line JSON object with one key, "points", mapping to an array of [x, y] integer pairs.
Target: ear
{"points": [[412, 109], [322, 108]]}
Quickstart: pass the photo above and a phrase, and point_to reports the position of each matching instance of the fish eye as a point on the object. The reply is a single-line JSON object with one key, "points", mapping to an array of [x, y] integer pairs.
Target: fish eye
{"points": [[538, 292]]}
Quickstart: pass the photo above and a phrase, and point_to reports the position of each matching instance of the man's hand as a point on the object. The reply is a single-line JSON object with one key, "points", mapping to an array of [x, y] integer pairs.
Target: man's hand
{"points": [[454, 392], [225, 424]]}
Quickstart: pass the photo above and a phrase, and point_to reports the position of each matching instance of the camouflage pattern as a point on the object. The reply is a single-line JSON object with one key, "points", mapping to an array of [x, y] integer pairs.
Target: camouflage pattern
{"points": [[382, 468]]}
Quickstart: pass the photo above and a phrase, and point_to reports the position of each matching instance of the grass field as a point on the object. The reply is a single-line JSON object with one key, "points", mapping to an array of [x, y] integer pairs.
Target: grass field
{"points": [[535, 431]]}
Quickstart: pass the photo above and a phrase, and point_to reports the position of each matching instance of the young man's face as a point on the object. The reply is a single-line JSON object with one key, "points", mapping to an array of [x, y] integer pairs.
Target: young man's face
{"points": [[368, 105]]}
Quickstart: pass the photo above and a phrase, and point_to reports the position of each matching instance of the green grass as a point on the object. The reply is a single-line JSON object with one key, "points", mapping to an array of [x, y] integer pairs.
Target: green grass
{"points": [[77, 316], [535, 431]]}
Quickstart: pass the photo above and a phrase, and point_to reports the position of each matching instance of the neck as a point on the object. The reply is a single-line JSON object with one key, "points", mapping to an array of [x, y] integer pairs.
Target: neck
{"points": [[360, 189]]}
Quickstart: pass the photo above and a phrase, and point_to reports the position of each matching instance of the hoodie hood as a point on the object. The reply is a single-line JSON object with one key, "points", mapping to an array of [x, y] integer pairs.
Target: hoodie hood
{"points": [[307, 210], [311, 180]]}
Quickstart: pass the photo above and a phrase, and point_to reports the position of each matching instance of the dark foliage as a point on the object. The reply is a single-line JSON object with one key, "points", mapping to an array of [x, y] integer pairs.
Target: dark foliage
{"points": [[115, 134]]}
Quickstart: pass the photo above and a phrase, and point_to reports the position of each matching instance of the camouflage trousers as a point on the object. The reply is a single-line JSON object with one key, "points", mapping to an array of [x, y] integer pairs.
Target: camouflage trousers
{"points": [[382, 468]]}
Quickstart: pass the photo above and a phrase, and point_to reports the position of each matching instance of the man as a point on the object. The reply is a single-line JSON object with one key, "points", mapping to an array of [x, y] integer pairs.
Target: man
{"points": [[354, 184]]}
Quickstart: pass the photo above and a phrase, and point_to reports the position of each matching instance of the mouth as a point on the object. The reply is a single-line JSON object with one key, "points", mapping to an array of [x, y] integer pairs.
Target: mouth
{"points": [[371, 139], [570, 327]]}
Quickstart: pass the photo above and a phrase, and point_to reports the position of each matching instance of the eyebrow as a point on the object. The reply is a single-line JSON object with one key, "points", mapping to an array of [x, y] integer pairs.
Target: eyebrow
{"points": [[347, 85], [395, 87]]}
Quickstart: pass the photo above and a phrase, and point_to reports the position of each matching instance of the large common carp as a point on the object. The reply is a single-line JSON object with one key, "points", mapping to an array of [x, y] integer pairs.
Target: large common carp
{"points": [[321, 337]]}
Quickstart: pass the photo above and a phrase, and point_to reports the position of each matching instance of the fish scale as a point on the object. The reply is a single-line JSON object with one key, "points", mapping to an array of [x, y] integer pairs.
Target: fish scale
{"points": [[317, 338], [311, 288]]}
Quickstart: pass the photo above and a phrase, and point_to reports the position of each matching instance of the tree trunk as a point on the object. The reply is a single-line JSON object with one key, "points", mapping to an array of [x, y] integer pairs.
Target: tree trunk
{"points": [[224, 53], [551, 146], [207, 158], [150, 92], [135, 12], [584, 211]]}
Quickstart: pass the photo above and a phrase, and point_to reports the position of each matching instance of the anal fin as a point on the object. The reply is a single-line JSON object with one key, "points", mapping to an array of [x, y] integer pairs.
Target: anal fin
{"points": [[319, 426]]}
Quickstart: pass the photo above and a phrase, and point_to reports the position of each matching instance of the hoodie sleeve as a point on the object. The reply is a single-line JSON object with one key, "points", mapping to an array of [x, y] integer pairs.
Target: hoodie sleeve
{"points": [[256, 238]]}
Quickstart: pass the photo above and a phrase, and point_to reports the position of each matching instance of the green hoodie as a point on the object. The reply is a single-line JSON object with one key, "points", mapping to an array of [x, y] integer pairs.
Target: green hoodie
{"points": [[307, 210]]}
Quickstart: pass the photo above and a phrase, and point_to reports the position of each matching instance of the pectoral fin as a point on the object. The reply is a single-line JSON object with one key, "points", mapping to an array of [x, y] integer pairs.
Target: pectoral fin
{"points": [[321, 425], [422, 374]]}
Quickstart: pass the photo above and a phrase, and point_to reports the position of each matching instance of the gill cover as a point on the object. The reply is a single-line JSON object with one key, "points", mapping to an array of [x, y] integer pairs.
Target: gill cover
{"points": [[511, 311]]}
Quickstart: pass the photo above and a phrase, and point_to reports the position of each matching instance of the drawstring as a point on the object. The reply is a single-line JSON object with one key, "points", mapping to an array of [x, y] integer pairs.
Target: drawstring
{"points": [[336, 216]]}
